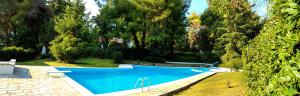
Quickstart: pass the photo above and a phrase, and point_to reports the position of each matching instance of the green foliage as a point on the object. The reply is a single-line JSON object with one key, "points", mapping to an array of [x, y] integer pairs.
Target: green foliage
{"points": [[271, 60], [117, 57], [102, 53], [230, 24], [72, 20], [82, 62], [204, 56], [70, 26], [154, 59], [31, 24], [193, 35], [18, 53], [143, 21], [66, 48]]}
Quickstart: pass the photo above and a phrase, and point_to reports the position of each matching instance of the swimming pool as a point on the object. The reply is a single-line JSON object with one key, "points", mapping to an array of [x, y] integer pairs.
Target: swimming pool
{"points": [[107, 80]]}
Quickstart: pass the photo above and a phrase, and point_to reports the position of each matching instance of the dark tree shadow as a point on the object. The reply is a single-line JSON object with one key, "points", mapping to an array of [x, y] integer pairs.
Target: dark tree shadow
{"points": [[232, 86], [18, 73]]}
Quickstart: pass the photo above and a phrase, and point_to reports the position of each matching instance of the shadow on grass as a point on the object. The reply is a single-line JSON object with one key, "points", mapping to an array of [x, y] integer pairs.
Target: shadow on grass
{"points": [[233, 86]]}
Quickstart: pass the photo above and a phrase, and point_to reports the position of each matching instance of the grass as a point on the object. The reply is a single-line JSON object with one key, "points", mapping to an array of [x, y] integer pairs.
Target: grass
{"points": [[216, 85], [83, 62]]}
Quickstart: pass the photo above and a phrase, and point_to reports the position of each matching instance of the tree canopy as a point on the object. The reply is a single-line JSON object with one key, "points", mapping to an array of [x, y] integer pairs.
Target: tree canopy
{"points": [[70, 26], [150, 23]]}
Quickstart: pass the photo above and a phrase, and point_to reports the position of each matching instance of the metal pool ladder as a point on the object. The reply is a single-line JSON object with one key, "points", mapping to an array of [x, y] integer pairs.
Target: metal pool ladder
{"points": [[142, 83]]}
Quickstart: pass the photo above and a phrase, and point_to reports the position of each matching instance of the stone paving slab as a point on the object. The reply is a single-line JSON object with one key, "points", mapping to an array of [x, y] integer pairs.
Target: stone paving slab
{"points": [[36, 83]]}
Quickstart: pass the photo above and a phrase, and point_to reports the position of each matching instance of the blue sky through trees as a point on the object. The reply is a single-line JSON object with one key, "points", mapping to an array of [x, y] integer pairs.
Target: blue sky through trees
{"points": [[197, 6]]}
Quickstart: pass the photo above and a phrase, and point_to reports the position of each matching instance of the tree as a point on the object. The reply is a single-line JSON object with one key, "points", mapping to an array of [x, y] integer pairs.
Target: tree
{"points": [[31, 23], [148, 23], [271, 59], [70, 25], [176, 22], [211, 21], [193, 30], [235, 25], [7, 10]]}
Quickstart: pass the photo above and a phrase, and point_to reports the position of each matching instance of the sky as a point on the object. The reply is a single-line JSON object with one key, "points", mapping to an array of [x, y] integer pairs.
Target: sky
{"points": [[197, 6], [91, 7]]}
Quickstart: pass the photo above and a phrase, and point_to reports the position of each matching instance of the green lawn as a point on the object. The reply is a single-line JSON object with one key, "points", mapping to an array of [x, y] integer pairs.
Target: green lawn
{"points": [[83, 62], [216, 85]]}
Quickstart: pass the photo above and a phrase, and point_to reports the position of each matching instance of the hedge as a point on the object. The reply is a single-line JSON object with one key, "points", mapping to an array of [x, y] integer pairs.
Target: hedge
{"points": [[19, 53], [272, 59]]}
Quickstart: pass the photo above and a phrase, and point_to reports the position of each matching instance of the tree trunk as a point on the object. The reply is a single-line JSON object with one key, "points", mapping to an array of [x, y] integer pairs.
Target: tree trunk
{"points": [[143, 40], [136, 41], [172, 44], [137, 45]]}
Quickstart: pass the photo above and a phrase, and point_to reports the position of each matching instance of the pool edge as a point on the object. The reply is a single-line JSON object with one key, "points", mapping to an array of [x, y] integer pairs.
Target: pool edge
{"points": [[176, 85], [82, 90], [136, 92]]}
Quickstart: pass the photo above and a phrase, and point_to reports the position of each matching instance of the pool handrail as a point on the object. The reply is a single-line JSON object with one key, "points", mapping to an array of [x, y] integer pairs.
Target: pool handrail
{"points": [[142, 83], [146, 78], [136, 83]]}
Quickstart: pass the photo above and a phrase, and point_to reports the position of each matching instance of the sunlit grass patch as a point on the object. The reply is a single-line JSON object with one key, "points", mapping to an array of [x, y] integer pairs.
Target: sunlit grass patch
{"points": [[83, 62], [217, 85]]}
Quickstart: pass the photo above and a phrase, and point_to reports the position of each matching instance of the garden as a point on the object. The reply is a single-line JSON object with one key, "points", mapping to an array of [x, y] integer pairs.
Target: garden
{"points": [[62, 33]]}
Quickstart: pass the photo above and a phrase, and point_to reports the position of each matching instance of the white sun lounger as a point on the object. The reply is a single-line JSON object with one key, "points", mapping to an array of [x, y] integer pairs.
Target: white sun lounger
{"points": [[7, 67], [59, 72]]}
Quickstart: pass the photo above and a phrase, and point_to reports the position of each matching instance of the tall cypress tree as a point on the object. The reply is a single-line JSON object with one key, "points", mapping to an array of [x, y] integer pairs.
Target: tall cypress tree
{"points": [[70, 25], [236, 27]]}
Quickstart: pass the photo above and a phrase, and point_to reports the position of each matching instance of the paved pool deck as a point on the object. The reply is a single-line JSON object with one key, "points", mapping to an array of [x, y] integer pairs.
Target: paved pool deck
{"points": [[36, 83]]}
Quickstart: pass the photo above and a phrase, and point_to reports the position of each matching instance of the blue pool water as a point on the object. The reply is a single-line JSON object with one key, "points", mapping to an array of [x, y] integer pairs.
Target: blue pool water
{"points": [[106, 80]]}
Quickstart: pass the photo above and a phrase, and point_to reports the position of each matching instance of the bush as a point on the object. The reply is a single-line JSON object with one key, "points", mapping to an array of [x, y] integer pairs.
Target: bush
{"points": [[90, 49], [154, 59], [102, 53], [18, 53], [235, 64], [207, 56], [44, 56], [271, 60], [66, 48], [182, 57], [115, 46], [130, 54], [192, 57], [117, 56]]}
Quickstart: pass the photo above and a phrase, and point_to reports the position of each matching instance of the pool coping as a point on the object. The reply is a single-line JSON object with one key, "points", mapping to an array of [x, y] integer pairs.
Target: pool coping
{"points": [[84, 91]]}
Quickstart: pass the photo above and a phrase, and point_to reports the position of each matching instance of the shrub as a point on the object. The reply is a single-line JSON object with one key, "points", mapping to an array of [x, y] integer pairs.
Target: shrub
{"points": [[66, 48], [102, 53], [117, 56], [130, 53], [154, 59], [43, 56], [18, 53], [232, 59], [114, 46], [90, 49], [235, 64], [207, 56], [271, 60]]}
